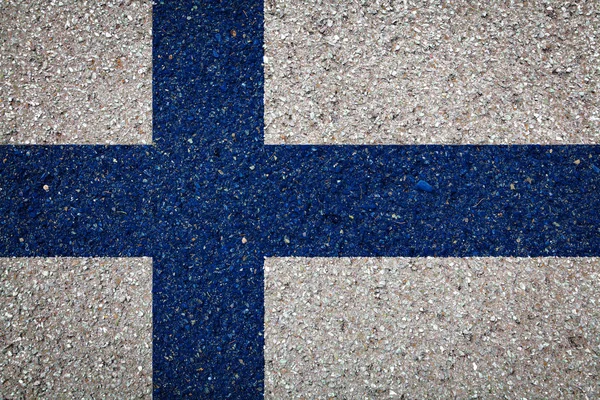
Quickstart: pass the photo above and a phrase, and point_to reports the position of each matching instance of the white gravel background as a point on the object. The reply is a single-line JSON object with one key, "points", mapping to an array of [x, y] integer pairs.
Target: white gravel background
{"points": [[75, 328], [379, 328], [75, 72], [432, 71]]}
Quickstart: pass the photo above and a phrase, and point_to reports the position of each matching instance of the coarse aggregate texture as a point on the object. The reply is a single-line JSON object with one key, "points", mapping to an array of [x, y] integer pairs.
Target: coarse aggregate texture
{"points": [[75, 328], [420, 72], [75, 72], [208, 200], [379, 328]]}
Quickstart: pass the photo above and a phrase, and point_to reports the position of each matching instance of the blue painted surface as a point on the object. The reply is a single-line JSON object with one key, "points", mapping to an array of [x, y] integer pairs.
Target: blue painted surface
{"points": [[208, 181]]}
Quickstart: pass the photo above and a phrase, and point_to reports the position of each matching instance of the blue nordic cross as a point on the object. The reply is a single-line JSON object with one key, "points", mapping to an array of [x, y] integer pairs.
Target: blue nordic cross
{"points": [[208, 181]]}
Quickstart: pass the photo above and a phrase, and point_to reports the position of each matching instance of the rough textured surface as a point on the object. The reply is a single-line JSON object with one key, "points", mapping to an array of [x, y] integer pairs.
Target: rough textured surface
{"points": [[432, 328], [208, 201], [75, 72], [75, 328], [419, 72]]}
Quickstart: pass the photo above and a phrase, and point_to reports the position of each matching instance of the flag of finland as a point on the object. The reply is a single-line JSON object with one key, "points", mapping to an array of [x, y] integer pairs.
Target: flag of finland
{"points": [[245, 252]]}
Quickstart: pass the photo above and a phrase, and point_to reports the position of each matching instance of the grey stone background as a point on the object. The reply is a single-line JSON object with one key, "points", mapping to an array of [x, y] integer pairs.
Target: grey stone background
{"points": [[75, 328], [75, 72], [438, 328], [432, 71]]}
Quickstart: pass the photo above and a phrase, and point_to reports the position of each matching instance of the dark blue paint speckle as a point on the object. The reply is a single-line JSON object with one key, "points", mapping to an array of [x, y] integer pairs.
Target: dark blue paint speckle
{"points": [[187, 204], [424, 186]]}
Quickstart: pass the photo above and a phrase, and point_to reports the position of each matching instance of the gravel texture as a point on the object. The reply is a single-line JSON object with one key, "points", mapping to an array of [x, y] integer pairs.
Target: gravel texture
{"points": [[208, 201], [420, 72], [75, 72], [74, 328], [79, 73], [376, 328]]}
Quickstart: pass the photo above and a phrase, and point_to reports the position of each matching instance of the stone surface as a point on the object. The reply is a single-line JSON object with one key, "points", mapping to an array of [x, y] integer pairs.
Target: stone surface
{"points": [[75, 72], [420, 72], [377, 328], [75, 328]]}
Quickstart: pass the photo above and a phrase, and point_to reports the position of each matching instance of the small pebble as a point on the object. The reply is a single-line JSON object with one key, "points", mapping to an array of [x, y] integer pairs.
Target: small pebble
{"points": [[424, 186]]}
